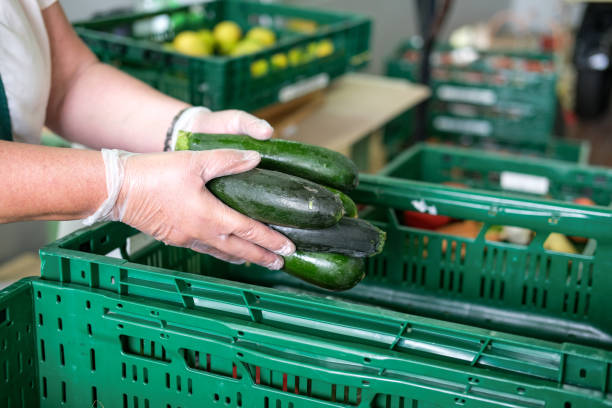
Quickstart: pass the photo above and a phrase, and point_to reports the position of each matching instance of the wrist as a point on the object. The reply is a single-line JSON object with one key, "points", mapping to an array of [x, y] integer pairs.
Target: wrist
{"points": [[114, 168], [183, 121]]}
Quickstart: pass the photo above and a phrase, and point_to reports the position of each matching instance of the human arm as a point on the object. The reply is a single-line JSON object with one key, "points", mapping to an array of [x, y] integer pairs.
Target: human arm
{"points": [[161, 194], [99, 106]]}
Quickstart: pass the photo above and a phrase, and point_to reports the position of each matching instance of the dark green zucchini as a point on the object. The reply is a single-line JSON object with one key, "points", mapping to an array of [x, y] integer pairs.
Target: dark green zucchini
{"points": [[278, 198], [330, 271], [350, 236], [350, 208], [314, 163]]}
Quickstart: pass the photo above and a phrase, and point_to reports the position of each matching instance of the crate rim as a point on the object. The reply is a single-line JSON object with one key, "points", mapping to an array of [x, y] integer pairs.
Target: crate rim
{"points": [[305, 300]]}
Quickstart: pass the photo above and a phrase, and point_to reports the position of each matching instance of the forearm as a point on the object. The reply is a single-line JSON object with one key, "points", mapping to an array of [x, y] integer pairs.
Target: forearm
{"points": [[106, 108], [45, 183], [97, 105]]}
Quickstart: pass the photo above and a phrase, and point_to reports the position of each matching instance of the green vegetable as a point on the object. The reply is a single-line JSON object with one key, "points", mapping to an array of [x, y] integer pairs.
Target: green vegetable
{"points": [[314, 163], [277, 198], [350, 236], [330, 271], [350, 208]]}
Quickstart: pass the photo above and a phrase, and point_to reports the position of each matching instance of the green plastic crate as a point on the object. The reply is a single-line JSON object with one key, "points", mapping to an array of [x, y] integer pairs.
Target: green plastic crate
{"points": [[506, 96], [504, 325], [226, 82], [569, 150], [503, 172], [216, 344]]}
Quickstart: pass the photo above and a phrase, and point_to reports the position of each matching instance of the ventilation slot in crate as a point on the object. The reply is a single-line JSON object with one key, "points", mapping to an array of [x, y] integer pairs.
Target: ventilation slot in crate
{"points": [[313, 388], [376, 267], [416, 253], [209, 363], [143, 348], [134, 402], [396, 401]]}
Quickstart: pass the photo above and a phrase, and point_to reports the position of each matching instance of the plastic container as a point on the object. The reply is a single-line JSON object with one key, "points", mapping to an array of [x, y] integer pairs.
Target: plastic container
{"points": [[503, 172], [134, 43], [439, 320], [506, 96], [233, 345]]}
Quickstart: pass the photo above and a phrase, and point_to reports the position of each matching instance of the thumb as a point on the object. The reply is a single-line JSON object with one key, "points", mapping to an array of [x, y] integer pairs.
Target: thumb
{"points": [[222, 162]]}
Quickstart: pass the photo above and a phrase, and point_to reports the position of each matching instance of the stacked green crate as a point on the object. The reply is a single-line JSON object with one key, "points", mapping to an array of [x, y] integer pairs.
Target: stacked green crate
{"points": [[221, 82], [483, 98]]}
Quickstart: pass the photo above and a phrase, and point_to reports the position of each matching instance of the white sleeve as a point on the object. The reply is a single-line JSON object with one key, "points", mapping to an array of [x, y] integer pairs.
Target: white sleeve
{"points": [[43, 4]]}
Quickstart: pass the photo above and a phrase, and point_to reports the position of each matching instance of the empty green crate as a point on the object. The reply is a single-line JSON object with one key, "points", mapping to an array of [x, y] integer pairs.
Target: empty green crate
{"points": [[503, 172], [221, 82], [210, 342]]}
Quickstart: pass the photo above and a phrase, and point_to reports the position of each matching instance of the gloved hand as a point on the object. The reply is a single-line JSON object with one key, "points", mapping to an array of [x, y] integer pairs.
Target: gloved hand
{"points": [[201, 120], [164, 195]]}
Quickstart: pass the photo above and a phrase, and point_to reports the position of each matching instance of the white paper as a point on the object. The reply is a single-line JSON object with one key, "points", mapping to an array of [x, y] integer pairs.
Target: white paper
{"points": [[526, 183]]}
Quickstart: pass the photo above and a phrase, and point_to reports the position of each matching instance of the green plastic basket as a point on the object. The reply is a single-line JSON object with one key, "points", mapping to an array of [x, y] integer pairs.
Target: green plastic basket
{"points": [[503, 172], [517, 326], [213, 343], [226, 82], [500, 95]]}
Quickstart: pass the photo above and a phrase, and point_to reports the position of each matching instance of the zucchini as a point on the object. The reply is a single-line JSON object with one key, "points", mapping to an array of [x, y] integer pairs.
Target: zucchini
{"points": [[330, 271], [350, 236], [278, 198], [350, 208], [314, 163]]}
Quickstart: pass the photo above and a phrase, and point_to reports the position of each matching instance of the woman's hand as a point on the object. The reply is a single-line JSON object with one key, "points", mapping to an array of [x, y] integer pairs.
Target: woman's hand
{"points": [[232, 122], [164, 195]]}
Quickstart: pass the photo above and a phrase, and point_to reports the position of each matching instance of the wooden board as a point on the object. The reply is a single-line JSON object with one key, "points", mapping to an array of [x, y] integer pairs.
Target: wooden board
{"points": [[27, 264], [352, 108]]}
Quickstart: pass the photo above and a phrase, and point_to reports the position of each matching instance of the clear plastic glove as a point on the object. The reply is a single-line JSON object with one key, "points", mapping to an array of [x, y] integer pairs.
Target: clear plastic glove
{"points": [[164, 195], [202, 120]]}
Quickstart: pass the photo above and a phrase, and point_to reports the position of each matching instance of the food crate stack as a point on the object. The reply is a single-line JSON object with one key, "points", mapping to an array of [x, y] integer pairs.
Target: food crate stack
{"points": [[483, 98], [439, 320], [232, 53]]}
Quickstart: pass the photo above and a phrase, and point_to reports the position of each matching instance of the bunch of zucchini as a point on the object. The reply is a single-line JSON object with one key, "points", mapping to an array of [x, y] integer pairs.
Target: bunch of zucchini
{"points": [[297, 190]]}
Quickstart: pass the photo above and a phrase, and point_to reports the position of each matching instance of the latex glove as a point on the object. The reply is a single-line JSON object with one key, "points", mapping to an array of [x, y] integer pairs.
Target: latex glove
{"points": [[201, 120], [164, 195]]}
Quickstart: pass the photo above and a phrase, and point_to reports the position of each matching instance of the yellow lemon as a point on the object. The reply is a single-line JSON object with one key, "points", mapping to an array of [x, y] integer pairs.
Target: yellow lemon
{"points": [[295, 56], [279, 61], [189, 42], [325, 48], [245, 47], [259, 68], [227, 34], [262, 35], [206, 36], [302, 26]]}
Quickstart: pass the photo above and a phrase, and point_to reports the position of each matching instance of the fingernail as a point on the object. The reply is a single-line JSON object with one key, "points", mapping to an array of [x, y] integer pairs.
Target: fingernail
{"points": [[276, 265], [251, 155], [236, 261], [287, 249], [263, 126]]}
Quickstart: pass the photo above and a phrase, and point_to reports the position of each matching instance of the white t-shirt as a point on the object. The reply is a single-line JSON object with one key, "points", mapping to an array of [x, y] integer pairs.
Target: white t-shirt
{"points": [[25, 65]]}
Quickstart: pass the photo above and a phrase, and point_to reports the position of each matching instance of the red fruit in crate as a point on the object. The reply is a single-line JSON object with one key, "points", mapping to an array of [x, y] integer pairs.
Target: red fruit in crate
{"points": [[584, 201], [425, 221]]}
